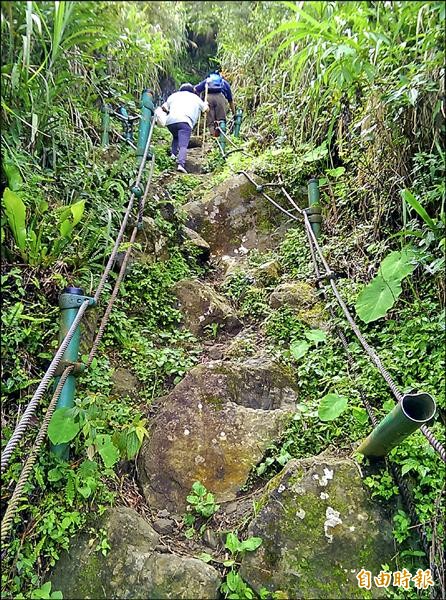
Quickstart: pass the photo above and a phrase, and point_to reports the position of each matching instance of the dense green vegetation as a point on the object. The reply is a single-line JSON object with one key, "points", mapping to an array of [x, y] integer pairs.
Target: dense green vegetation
{"points": [[349, 92]]}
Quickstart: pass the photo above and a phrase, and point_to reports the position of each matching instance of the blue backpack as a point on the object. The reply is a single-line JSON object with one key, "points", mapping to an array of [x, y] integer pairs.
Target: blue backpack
{"points": [[214, 83]]}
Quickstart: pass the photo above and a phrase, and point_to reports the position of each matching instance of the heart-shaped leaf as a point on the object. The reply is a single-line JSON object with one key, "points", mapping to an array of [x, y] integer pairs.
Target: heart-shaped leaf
{"points": [[299, 349], [316, 335], [376, 299], [63, 427], [331, 406]]}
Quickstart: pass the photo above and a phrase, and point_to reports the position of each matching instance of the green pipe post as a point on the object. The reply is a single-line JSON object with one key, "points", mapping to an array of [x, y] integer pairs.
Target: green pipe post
{"points": [[70, 301], [105, 140], [407, 416], [238, 121], [314, 210], [147, 112], [222, 139]]}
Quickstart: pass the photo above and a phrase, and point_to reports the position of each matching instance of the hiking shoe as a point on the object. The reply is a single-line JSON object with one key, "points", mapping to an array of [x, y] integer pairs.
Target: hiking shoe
{"points": [[181, 169]]}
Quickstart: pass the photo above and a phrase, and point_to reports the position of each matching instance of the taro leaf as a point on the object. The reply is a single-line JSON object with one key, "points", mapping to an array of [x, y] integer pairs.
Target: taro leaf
{"points": [[376, 299], [316, 336], [397, 266], [331, 406], [16, 215], [299, 349], [62, 427]]}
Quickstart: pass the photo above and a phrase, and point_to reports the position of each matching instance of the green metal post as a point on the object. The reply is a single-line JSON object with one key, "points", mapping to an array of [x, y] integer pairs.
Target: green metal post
{"points": [[314, 209], [407, 416], [70, 301], [238, 121], [105, 125], [222, 139], [147, 111]]}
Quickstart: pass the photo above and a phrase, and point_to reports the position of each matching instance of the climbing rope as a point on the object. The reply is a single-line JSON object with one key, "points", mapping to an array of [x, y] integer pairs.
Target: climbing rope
{"points": [[438, 447], [31, 408], [38, 394], [30, 462], [112, 257]]}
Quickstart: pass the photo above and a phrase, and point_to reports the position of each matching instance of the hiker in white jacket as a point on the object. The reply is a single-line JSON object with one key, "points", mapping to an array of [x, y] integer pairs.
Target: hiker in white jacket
{"points": [[183, 108]]}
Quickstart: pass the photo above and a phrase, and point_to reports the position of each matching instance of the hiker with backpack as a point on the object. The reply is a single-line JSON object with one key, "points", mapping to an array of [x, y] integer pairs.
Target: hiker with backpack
{"points": [[218, 95], [183, 108]]}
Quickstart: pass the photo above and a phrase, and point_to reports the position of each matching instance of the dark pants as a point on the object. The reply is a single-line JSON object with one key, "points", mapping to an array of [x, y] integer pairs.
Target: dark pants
{"points": [[181, 136], [217, 110]]}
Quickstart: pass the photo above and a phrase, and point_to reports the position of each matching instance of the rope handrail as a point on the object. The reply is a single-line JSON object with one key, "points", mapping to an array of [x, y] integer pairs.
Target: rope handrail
{"points": [[15, 498], [38, 394], [18, 432], [43, 385], [436, 444]]}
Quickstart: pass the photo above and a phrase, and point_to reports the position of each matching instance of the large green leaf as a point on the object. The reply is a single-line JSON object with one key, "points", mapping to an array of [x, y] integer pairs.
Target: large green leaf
{"points": [[77, 210], [16, 215], [376, 299], [13, 175], [62, 427], [298, 349], [331, 406], [316, 335], [397, 265], [107, 450]]}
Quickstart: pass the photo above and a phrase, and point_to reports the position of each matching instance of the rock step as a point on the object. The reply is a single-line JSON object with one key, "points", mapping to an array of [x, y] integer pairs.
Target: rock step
{"points": [[214, 427]]}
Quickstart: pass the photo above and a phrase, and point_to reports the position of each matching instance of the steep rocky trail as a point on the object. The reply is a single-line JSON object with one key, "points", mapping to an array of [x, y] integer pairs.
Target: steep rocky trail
{"points": [[215, 426]]}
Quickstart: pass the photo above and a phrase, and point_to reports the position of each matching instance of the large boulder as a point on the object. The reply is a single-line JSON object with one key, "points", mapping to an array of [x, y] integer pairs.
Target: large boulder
{"points": [[319, 529], [214, 427], [234, 218], [131, 568], [201, 305]]}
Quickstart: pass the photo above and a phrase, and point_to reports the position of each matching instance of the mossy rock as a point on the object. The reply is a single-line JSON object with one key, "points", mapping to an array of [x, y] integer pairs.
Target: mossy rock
{"points": [[214, 427], [234, 218], [201, 306], [319, 529], [303, 300], [131, 568]]}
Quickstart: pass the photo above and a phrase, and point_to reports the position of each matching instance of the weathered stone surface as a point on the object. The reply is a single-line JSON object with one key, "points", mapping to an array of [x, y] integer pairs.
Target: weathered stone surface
{"points": [[234, 217], [124, 383], [214, 427], [194, 161], [319, 528], [201, 305], [131, 568], [202, 248], [301, 297], [296, 294], [163, 526], [268, 272]]}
